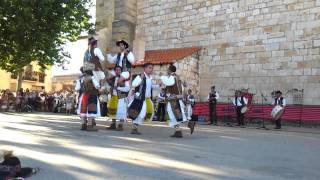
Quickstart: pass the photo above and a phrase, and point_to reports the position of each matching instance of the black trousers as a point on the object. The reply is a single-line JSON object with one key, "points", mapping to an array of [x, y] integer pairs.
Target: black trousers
{"points": [[104, 109], [161, 111], [213, 113], [278, 123], [240, 116]]}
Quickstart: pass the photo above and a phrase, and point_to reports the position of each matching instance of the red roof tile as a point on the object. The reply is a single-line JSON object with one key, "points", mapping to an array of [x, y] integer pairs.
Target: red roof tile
{"points": [[166, 56]]}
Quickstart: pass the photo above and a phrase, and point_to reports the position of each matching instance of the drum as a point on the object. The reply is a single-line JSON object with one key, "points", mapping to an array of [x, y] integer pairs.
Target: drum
{"points": [[135, 108], [277, 112], [244, 109]]}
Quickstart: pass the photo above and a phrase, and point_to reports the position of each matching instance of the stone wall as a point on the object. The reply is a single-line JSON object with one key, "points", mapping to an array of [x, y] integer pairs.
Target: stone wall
{"points": [[187, 69], [262, 45], [115, 20], [105, 12]]}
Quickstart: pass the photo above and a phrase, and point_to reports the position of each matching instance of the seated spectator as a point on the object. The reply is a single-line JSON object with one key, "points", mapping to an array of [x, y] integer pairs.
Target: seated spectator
{"points": [[10, 168]]}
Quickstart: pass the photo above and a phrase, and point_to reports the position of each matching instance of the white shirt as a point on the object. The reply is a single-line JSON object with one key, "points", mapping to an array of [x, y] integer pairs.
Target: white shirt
{"points": [[284, 103], [94, 81], [113, 59], [97, 52], [238, 103], [125, 88], [191, 100], [160, 97], [138, 80], [168, 80]]}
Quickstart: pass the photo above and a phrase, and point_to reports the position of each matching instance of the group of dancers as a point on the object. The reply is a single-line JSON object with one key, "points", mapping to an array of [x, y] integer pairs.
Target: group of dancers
{"points": [[130, 96]]}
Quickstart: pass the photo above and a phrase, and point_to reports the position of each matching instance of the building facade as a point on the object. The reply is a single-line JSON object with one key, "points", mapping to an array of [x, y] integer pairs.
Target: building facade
{"points": [[64, 82], [32, 79], [260, 45]]}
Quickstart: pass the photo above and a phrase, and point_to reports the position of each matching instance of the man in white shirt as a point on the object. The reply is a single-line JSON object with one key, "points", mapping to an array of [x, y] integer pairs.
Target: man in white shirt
{"points": [[142, 108], [124, 59], [212, 98], [175, 105], [190, 101], [161, 110], [239, 101], [95, 56], [279, 101], [117, 106], [89, 106]]}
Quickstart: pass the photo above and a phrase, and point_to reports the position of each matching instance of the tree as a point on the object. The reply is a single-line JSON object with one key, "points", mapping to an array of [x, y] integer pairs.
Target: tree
{"points": [[36, 30]]}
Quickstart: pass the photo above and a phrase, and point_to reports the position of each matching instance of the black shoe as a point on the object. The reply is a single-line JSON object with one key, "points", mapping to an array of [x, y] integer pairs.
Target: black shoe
{"points": [[191, 125], [120, 127], [277, 128], [91, 128], [83, 127], [177, 134], [135, 131], [112, 126]]}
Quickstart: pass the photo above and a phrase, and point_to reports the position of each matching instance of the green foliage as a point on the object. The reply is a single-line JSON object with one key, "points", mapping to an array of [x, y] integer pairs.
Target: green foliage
{"points": [[36, 30]]}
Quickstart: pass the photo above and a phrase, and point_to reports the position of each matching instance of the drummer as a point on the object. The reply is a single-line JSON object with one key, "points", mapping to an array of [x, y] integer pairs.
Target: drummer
{"points": [[279, 101], [239, 101]]}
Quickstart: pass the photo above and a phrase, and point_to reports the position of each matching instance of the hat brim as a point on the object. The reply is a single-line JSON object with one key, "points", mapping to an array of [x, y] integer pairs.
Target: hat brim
{"points": [[122, 42], [93, 41]]}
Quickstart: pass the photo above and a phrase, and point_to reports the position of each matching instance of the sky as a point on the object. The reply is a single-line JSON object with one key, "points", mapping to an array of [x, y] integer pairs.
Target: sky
{"points": [[76, 50]]}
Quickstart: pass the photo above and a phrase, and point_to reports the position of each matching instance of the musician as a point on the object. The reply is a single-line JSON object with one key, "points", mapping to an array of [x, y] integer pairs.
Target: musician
{"points": [[161, 111], [89, 106], [87, 54], [94, 55], [190, 101], [124, 59], [239, 101], [175, 105], [279, 101], [212, 98], [104, 92], [117, 106], [142, 108]]}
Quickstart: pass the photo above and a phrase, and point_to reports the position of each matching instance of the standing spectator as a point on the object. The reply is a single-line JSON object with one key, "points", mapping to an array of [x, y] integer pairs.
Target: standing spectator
{"points": [[19, 100], [4, 101], [69, 103], [161, 110], [42, 99], [212, 98]]}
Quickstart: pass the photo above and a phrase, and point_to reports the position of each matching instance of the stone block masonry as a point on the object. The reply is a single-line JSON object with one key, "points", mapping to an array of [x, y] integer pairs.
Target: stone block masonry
{"points": [[260, 45]]}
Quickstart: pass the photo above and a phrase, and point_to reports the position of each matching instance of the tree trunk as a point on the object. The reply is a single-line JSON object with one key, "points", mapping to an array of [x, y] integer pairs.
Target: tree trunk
{"points": [[19, 84]]}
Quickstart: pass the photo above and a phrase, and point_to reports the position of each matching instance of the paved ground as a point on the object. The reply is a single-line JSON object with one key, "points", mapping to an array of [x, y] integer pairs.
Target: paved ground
{"points": [[54, 143]]}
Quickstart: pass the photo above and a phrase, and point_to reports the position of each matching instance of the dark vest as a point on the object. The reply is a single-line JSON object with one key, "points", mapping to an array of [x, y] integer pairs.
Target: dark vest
{"points": [[176, 89], [87, 86], [95, 60], [241, 101], [126, 65], [212, 97], [280, 102], [142, 88]]}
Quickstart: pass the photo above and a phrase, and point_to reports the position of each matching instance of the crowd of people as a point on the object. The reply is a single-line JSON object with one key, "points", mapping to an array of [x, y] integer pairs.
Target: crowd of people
{"points": [[41, 101]]}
